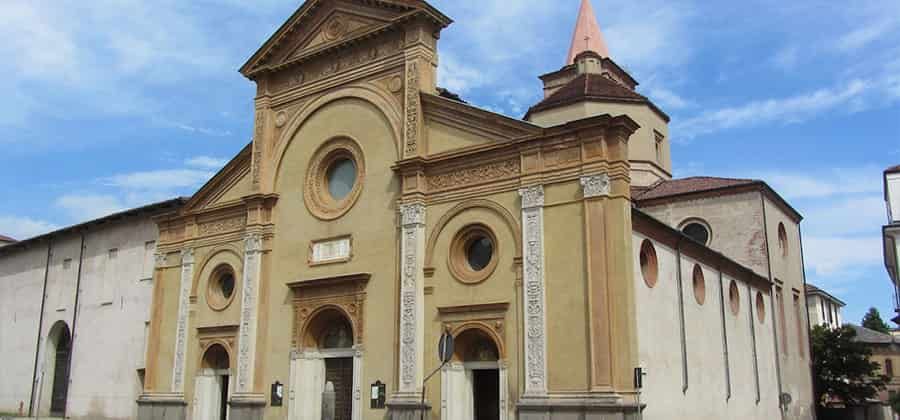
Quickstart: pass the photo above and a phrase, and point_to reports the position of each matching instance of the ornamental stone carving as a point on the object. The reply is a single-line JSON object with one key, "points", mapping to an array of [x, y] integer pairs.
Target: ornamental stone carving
{"points": [[532, 197], [247, 326], [468, 176], [595, 185], [412, 108], [411, 294], [221, 226], [535, 293], [181, 326]]}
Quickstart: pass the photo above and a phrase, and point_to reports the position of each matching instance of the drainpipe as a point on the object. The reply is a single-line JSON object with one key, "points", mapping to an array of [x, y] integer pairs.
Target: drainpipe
{"points": [[37, 346], [684, 361], [724, 335], [74, 320]]}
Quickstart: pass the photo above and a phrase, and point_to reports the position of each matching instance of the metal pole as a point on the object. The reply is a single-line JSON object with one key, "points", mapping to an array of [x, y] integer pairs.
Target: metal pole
{"points": [[422, 408]]}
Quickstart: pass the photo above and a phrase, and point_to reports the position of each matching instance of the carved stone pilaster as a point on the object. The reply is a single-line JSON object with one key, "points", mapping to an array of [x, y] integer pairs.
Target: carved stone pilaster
{"points": [[534, 294], [595, 185], [412, 295], [249, 311], [413, 110], [178, 364]]}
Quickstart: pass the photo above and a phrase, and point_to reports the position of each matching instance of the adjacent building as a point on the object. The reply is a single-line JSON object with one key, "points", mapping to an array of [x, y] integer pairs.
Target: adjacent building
{"points": [[885, 352], [824, 309], [6, 240], [75, 304], [891, 231]]}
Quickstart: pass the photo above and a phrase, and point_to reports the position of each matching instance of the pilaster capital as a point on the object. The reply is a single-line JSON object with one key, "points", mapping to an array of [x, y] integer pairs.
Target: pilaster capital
{"points": [[187, 256], [595, 185], [160, 259], [253, 243], [412, 214], [532, 197]]}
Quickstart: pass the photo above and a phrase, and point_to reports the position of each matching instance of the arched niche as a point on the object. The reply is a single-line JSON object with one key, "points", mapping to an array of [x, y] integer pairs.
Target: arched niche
{"points": [[498, 210]]}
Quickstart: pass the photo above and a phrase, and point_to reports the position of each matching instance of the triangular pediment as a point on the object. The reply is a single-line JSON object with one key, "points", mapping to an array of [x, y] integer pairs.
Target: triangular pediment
{"points": [[319, 25], [229, 185]]}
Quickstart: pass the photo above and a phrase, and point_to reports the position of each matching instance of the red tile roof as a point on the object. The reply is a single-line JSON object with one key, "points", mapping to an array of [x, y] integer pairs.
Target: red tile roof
{"points": [[6, 239], [690, 185], [892, 170], [588, 86]]}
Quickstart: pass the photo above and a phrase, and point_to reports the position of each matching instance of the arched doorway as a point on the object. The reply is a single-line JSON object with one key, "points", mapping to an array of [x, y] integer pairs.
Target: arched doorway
{"points": [[325, 371], [59, 354], [474, 383], [212, 384]]}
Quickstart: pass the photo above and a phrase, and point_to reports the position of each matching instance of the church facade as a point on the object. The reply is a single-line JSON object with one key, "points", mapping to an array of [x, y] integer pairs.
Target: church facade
{"points": [[374, 212]]}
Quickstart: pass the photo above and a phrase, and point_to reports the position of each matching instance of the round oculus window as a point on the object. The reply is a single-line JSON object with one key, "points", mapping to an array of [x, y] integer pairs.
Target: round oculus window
{"points": [[473, 254], [221, 288], [760, 307], [697, 232], [699, 283], [649, 264], [341, 177], [334, 179], [480, 252], [734, 298]]}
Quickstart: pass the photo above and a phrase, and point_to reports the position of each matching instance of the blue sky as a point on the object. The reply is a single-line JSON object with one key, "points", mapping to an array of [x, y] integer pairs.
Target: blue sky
{"points": [[110, 104]]}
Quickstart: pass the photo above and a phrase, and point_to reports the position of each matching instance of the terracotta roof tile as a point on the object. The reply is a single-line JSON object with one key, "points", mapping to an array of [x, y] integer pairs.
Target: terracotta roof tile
{"points": [[865, 335], [588, 86], [691, 185]]}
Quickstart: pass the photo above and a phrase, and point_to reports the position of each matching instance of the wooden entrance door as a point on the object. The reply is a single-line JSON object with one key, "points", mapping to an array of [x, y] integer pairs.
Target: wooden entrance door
{"points": [[339, 372], [61, 375]]}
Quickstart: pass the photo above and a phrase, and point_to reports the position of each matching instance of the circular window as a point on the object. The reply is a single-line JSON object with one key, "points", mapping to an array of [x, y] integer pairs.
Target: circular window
{"points": [[341, 178], [335, 178], [220, 292], [782, 239], [760, 307], [699, 285], [734, 298], [473, 254], [697, 231], [649, 264]]}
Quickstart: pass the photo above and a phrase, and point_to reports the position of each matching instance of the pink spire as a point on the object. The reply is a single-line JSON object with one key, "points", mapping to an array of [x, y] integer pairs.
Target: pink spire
{"points": [[587, 34]]}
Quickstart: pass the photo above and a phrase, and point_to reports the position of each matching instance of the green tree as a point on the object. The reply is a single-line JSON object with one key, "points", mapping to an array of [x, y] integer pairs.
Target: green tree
{"points": [[895, 403], [873, 321], [842, 368]]}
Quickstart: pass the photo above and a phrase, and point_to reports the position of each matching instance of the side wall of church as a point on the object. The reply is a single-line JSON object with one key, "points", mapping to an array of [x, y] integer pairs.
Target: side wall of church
{"points": [[787, 269], [714, 364], [113, 309]]}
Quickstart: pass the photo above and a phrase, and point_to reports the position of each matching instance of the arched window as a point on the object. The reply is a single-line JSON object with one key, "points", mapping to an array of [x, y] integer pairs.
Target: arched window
{"points": [[697, 230], [782, 239], [699, 283]]}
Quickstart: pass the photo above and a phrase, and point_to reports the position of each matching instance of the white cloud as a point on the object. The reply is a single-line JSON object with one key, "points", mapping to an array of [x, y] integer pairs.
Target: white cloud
{"points": [[866, 34], [206, 162], [786, 58], [787, 110], [824, 183], [21, 228], [458, 77], [88, 206], [668, 99], [828, 255], [159, 180]]}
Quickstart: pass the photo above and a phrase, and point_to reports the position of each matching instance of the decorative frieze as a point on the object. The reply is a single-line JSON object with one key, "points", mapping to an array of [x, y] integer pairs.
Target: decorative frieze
{"points": [[411, 296], [221, 226], [535, 293], [181, 326], [413, 105], [249, 311], [595, 185], [477, 174]]}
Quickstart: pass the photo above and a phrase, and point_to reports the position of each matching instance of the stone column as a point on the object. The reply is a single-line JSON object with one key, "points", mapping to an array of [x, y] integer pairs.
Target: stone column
{"points": [[245, 403], [534, 294], [406, 403], [181, 332]]}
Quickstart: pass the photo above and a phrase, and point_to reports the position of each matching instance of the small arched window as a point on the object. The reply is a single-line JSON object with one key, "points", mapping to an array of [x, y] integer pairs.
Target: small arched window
{"points": [[782, 240], [734, 298]]}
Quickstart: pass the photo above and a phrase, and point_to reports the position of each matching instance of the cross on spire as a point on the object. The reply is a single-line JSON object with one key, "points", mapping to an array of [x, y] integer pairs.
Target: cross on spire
{"points": [[588, 30]]}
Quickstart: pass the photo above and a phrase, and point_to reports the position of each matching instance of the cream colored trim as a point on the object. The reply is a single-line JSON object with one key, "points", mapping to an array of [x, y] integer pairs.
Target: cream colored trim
{"points": [[412, 296], [249, 298]]}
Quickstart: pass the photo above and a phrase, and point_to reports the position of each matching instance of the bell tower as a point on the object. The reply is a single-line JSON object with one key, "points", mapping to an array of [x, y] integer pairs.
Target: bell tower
{"points": [[592, 84]]}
